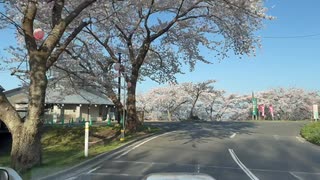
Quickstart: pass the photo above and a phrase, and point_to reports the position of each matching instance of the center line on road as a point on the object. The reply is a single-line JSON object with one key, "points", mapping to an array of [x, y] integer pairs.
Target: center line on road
{"points": [[233, 135], [242, 166], [126, 152]]}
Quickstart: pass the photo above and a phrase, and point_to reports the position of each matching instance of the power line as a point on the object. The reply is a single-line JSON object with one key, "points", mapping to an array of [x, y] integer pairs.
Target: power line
{"points": [[291, 37]]}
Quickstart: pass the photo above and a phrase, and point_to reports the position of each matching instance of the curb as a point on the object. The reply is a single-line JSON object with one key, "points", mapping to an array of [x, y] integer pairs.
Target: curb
{"points": [[94, 161]]}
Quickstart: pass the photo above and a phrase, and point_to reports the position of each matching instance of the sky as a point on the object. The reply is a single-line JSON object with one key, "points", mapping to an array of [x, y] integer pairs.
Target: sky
{"points": [[287, 58]]}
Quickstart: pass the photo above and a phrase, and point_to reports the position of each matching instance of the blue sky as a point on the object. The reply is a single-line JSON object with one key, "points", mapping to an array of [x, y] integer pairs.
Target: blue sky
{"points": [[281, 62]]}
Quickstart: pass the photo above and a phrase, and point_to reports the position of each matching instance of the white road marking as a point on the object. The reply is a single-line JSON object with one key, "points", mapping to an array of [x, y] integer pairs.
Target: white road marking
{"points": [[296, 176], [276, 137], [116, 174], [179, 164], [93, 170], [300, 139], [198, 168], [146, 168], [233, 135], [242, 166], [126, 152], [140, 162], [72, 178], [218, 167]]}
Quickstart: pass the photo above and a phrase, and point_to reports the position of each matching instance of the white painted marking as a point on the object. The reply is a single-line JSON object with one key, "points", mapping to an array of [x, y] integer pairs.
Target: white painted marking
{"points": [[180, 164], [126, 152], [242, 166], [233, 135], [198, 168], [146, 168], [276, 137], [300, 139], [72, 178], [218, 167], [296, 176], [310, 173], [93, 170], [115, 174]]}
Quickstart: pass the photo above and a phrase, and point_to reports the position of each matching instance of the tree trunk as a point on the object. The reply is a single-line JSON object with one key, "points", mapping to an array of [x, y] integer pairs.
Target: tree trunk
{"points": [[26, 145], [132, 118], [114, 98], [192, 108], [26, 148]]}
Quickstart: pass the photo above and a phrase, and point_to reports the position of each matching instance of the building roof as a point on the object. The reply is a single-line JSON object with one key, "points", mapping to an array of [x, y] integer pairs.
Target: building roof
{"points": [[80, 96], [60, 96]]}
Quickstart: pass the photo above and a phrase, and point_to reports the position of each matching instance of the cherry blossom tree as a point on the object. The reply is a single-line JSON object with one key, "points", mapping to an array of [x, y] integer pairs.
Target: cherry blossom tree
{"points": [[167, 100], [210, 103], [216, 105], [291, 103], [288, 104], [195, 90], [236, 107], [171, 99], [157, 37], [176, 100], [145, 102], [61, 21]]}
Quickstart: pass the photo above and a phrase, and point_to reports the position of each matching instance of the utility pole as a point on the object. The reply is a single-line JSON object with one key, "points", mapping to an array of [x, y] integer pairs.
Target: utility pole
{"points": [[119, 87]]}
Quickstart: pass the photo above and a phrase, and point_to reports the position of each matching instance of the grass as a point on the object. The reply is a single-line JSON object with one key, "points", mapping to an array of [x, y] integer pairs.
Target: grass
{"points": [[282, 120], [63, 146], [5, 160], [311, 132]]}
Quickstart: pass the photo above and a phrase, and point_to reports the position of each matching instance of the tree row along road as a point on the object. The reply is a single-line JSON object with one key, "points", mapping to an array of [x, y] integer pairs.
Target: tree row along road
{"points": [[224, 150]]}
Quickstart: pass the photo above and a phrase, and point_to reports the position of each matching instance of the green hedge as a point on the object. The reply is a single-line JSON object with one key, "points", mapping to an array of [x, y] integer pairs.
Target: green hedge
{"points": [[311, 132]]}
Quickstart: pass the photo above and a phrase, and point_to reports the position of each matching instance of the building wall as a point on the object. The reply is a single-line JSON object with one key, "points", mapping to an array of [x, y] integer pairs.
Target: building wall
{"points": [[97, 113], [93, 112], [19, 99], [77, 113]]}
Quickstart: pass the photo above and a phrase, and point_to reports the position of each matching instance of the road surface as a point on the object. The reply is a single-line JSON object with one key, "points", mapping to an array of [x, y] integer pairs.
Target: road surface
{"points": [[223, 150]]}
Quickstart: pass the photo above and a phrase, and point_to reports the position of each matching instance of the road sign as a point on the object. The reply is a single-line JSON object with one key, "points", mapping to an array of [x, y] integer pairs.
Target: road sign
{"points": [[254, 106]]}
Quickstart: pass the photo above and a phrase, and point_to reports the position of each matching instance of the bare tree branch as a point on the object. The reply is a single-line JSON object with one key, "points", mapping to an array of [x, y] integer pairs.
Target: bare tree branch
{"points": [[8, 114], [19, 28], [57, 11], [77, 11], [54, 57], [104, 44], [27, 25], [53, 39], [147, 18]]}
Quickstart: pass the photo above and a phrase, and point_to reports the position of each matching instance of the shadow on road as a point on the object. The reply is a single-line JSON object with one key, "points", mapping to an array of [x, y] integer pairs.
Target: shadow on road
{"points": [[205, 132]]}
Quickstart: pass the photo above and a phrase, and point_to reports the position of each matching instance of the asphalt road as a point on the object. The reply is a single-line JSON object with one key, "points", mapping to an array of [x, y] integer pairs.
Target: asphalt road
{"points": [[223, 150]]}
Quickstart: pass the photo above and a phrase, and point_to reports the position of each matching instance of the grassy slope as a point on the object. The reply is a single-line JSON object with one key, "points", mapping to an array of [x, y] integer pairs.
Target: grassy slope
{"points": [[311, 132], [63, 146]]}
